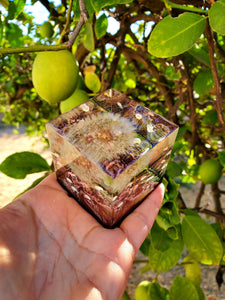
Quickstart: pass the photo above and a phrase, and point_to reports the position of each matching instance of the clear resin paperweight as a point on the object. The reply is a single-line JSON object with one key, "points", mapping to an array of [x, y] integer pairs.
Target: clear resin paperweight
{"points": [[109, 153]]}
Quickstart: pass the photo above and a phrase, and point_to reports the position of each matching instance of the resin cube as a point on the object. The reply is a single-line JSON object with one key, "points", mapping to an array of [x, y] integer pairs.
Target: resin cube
{"points": [[109, 153]]}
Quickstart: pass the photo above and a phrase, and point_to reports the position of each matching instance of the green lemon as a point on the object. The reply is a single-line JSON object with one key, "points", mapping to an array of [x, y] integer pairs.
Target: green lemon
{"points": [[210, 171], [55, 75], [46, 29], [77, 98], [142, 290], [92, 82]]}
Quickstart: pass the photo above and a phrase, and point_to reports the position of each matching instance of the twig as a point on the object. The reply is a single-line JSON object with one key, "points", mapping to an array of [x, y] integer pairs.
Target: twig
{"points": [[205, 211], [143, 58], [216, 197], [193, 119], [182, 203], [218, 104], [36, 48], [116, 58], [52, 11], [67, 22], [141, 261], [83, 18], [200, 194]]}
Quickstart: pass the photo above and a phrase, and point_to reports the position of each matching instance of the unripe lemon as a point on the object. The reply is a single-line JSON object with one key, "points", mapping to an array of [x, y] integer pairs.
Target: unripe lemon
{"points": [[210, 171], [77, 98], [142, 290], [55, 75], [46, 29]]}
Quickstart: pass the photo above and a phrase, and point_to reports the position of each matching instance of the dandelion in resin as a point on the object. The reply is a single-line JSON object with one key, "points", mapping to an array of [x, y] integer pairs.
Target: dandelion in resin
{"points": [[103, 136]]}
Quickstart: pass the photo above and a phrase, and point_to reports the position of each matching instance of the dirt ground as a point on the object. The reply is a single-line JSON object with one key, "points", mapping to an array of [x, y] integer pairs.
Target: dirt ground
{"points": [[10, 188]]}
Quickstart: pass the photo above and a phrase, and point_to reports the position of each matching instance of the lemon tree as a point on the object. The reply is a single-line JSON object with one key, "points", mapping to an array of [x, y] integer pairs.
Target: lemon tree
{"points": [[55, 75], [168, 56]]}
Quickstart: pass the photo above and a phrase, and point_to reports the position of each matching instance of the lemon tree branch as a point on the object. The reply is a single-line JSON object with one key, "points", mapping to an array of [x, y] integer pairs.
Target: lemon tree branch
{"points": [[67, 22], [36, 48], [83, 18]]}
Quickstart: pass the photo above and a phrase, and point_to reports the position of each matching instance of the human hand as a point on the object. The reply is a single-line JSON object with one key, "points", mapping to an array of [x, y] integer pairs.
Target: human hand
{"points": [[51, 248]]}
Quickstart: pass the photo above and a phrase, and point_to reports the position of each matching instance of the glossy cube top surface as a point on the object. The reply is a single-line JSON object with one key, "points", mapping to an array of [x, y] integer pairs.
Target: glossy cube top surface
{"points": [[111, 131], [110, 149]]}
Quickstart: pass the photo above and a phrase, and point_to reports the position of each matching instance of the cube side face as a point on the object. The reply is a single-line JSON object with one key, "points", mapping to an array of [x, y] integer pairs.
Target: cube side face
{"points": [[110, 153]]}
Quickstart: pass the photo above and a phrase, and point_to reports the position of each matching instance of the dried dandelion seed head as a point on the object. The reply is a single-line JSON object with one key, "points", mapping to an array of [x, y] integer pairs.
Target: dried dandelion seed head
{"points": [[103, 136]]}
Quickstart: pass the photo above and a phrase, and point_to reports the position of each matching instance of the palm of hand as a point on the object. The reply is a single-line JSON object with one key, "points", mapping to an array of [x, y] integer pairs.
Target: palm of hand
{"points": [[69, 255]]}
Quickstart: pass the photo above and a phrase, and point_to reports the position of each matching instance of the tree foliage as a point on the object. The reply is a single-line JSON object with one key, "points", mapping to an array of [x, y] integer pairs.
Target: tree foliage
{"points": [[169, 56]]}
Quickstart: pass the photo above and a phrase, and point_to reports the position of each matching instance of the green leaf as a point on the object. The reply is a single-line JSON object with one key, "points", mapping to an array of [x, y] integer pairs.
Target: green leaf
{"points": [[201, 294], [130, 83], [222, 157], [125, 296], [201, 240], [20, 164], [99, 4], [173, 36], [163, 222], [36, 182], [88, 37], [203, 83], [145, 246], [92, 82], [173, 232], [14, 35], [220, 231], [162, 261], [171, 73], [168, 215], [216, 17], [173, 169], [201, 54], [182, 288], [159, 238], [101, 26], [157, 292], [192, 269], [15, 8], [171, 190], [218, 227], [210, 117], [190, 212], [181, 132]]}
